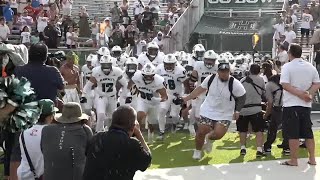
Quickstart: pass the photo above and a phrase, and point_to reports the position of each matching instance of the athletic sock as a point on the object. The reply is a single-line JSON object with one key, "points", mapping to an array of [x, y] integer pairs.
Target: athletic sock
{"points": [[243, 147], [259, 149]]}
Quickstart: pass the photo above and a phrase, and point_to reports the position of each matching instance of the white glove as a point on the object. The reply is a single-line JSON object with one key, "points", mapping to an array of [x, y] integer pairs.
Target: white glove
{"points": [[155, 100]]}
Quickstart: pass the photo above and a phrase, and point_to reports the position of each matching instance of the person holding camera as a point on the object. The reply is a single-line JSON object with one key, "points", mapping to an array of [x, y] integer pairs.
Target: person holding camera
{"points": [[138, 9], [116, 154]]}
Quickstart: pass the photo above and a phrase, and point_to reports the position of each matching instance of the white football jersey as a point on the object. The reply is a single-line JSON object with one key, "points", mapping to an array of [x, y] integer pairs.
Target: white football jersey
{"points": [[86, 72], [106, 84], [120, 64], [147, 91], [143, 59], [203, 71], [173, 80]]}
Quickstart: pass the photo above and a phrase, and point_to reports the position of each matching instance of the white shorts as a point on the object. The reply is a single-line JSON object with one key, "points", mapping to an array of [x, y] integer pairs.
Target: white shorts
{"points": [[150, 109], [168, 105], [105, 105], [71, 96]]}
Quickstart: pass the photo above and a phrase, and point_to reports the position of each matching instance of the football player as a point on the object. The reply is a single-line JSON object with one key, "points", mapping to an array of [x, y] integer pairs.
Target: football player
{"points": [[105, 76], [116, 52], [131, 66], [202, 69], [103, 51], [197, 54], [153, 56], [174, 76], [86, 72], [150, 86]]}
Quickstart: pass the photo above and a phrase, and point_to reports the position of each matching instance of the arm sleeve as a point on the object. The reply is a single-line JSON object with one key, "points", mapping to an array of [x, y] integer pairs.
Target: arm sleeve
{"points": [[204, 84], [240, 101], [285, 76], [142, 158]]}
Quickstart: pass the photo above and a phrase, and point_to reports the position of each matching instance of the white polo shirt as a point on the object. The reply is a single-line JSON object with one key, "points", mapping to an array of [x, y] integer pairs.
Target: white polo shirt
{"points": [[299, 74], [217, 105], [283, 57]]}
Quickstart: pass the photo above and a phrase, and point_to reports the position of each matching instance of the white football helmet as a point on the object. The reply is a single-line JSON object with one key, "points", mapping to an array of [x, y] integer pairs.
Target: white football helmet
{"points": [[116, 51], [169, 62], [131, 65], [152, 49], [91, 58], [103, 51], [198, 51], [148, 71], [106, 64], [210, 58]]}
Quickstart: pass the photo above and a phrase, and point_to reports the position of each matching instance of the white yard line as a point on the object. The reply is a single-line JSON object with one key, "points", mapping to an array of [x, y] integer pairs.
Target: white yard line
{"points": [[262, 170]]}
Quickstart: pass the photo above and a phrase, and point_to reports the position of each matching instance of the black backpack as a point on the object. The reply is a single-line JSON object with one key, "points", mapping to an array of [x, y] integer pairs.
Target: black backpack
{"points": [[230, 85]]}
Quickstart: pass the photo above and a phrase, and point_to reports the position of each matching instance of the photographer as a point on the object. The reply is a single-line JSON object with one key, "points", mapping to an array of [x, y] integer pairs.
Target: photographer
{"points": [[117, 37], [115, 154]]}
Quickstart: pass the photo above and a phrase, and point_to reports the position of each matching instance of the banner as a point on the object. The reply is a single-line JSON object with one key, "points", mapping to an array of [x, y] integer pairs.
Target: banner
{"points": [[244, 4]]}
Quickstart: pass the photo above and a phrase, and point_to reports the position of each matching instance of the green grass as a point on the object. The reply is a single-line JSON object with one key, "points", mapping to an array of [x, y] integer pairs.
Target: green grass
{"points": [[177, 150]]}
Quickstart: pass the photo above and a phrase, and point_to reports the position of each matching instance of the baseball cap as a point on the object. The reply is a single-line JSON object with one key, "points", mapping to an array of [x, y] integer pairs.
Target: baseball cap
{"points": [[224, 66], [47, 106]]}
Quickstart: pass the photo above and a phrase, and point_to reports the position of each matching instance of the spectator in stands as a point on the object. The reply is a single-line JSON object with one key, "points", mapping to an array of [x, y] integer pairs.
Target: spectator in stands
{"points": [[300, 81], [108, 27], [147, 20], [314, 11], [14, 6], [42, 22], [130, 34], [51, 34], [125, 18], [173, 17], [282, 41], [35, 37], [154, 6], [164, 21], [279, 30], [95, 30], [71, 38], [84, 28], [4, 30], [8, 14], [306, 25], [66, 7], [30, 140], [282, 55], [117, 37], [101, 162], [115, 14], [294, 20], [124, 6], [52, 13], [290, 34], [26, 36], [67, 22], [25, 20], [138, 9], [35, 3], [30, 9], [21, 5], [64, 144]]}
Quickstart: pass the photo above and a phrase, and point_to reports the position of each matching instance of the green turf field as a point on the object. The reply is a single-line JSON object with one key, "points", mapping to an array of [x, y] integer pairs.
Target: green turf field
{"points": [[177, 150]]}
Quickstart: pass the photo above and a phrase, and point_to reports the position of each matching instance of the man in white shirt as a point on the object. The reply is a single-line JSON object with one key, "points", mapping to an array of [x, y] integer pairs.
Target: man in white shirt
{"points": [[4, 30], [300, 81], [138, 9], [31, 139], [306, 24], [225, 98], [279, 30], [282, 55], [290, 34]]}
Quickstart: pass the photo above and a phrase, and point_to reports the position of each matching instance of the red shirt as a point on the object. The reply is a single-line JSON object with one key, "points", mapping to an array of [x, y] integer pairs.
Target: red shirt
{"points": [[30, 10]]}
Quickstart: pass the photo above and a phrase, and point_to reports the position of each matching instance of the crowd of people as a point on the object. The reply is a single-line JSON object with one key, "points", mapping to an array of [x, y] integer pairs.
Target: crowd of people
{"points": [[52, 23]]}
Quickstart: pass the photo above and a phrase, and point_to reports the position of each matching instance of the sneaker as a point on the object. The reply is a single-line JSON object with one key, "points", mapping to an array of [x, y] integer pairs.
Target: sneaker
{"points": [[267, 150], [186, 125], [207, 146], [196, 155], [161, 136], [280, 146], [192, 130], [286, 152], [260, 154], [243, 152]]}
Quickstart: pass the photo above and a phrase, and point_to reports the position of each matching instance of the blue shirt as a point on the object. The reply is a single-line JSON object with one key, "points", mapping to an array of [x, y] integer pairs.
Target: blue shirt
{"points": [[46, 80], [7, 13], [35, 3]]}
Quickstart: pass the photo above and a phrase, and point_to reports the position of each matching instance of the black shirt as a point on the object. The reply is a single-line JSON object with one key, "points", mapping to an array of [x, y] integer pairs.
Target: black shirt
{"points": [[113, 155]]}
